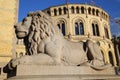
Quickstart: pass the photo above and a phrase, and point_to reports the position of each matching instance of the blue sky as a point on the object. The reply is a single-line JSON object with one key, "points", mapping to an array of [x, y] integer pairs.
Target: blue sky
{"points": [[111, 6]]}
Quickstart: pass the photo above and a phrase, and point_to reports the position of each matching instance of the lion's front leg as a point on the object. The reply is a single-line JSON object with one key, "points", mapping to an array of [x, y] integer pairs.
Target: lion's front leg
{"points": [[57, 60], [55, 51]]}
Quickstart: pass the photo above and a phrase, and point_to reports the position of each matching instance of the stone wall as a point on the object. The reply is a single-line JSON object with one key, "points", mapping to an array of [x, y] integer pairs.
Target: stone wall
{"points": [[8, 17]]}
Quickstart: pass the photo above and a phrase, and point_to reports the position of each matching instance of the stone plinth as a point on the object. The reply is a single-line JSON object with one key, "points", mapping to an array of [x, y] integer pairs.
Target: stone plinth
{"points": [[38, 72]]}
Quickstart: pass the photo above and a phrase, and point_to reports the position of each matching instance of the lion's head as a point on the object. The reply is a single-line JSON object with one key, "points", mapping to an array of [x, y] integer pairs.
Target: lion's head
{"points": [[35, 21], [37, 26]]}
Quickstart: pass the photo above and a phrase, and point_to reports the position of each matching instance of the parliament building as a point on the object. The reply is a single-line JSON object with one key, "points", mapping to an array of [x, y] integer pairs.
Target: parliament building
{"points": [[79, 22]]}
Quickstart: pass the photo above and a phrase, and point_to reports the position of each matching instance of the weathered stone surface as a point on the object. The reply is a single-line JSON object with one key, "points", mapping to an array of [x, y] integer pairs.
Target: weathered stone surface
{"points": [[39, 72]]}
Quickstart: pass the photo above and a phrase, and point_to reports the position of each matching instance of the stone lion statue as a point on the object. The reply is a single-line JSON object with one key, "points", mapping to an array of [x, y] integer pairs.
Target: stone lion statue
{"points": [[46, 45]]}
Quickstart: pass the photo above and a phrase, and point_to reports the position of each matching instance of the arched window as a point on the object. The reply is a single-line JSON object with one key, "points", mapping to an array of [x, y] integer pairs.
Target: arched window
{"points": [[48, 12], [77, 9], [79, 28], [93, 11], [97, 13], [82, 10], [95, 29], [72, 10], [111, 58], [89, 10], [61, 26], [102, 14], [60, 11], [65, 10], [55, 12], [106, 17], [106, 32]]}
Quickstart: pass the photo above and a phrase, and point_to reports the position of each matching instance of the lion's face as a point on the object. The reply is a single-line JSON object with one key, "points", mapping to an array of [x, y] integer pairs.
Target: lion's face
{"points": [[22, 28]]}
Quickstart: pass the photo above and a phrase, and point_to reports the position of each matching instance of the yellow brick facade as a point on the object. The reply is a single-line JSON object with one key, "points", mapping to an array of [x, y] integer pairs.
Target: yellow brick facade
{"points": [[8, 17]]}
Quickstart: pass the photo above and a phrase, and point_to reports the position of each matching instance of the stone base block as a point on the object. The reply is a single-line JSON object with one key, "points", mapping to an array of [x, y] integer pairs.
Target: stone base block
{"points": [[38, 72]]}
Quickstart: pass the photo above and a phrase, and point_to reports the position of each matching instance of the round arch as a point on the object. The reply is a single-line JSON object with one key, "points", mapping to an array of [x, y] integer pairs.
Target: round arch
{"points": [[97, 31], [61, 23]]}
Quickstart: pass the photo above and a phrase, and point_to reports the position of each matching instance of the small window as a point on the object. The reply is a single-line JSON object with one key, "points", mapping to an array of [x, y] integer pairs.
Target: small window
{"points": [[97, 13], [65, 10], [55, 12], [72, 10], [82, 10], [93, 11], [89, 10], [48, 12], [60, 11], [77, 10]]}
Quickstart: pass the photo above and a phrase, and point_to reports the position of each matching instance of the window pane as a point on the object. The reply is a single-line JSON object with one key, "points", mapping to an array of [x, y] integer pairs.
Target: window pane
{"points": [[93, 28], [63, 29], [97, 30], [81, 29], [76, 29]]}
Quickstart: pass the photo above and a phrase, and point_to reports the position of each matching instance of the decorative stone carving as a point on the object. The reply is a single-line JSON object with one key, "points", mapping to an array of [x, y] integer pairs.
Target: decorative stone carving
{"points": [[45, 45]]}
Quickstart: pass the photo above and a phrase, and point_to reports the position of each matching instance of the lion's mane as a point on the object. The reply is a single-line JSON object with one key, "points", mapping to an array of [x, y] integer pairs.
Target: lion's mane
{"points": [[41, 28]]}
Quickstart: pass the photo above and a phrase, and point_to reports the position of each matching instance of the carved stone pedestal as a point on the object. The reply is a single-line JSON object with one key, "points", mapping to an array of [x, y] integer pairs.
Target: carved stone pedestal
{"points": [[38, 72]]}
